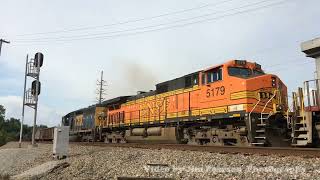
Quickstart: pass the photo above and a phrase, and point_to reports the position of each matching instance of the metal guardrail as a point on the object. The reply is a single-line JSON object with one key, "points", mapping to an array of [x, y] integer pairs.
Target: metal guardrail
{"points": [[29, 98], [32, 70], [312, 92]]}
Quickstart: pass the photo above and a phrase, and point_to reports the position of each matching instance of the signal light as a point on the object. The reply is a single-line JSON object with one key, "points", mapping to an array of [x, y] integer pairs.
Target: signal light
{"points": [[38, 59], [34, 87]]}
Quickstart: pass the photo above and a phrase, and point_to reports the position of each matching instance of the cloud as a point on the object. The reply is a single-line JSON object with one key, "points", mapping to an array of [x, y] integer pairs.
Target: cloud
{"points": [[46, 115]]}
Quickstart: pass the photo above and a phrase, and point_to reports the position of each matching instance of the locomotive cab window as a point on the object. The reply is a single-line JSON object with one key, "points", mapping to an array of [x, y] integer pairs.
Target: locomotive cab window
{"points": [[258, 72], [240, 72], [214, 75]]}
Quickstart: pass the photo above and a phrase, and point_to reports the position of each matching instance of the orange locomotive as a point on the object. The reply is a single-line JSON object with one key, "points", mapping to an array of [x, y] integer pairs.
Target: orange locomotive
{"points": [[234, 103]]}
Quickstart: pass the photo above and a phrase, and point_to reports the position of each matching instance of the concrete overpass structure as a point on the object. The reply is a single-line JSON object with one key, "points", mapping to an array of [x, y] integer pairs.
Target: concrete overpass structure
{"points": [[312, 49], [312, 87]]}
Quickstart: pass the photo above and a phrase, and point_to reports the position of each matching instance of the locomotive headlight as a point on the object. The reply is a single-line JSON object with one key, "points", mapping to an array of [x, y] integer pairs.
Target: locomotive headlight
{"points": [[274, 82], [280, 108]]}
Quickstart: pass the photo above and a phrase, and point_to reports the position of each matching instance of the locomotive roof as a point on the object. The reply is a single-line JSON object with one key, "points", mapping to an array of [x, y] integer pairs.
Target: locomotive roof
{"points": [[229, 62], [173, 84], [142, 95], [191, 74], [117, 100]]}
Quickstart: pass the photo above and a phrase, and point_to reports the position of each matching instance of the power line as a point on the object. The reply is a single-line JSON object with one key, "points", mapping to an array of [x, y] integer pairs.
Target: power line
{"points": [[144, 27], [241, 12], [97, 35], [286, 68], [129, 21], [173, 26], [284, 63]]}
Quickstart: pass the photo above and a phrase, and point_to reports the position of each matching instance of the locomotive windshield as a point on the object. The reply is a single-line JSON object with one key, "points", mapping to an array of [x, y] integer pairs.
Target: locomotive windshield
{"points": [[240, 72], [257, 72], [244, 72]]}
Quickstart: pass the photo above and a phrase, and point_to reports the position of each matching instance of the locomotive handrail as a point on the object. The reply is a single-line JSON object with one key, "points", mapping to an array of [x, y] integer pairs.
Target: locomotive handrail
{"points": [[301, 105], [315, 93], [250, 122], [274, 94], [289, 119]]}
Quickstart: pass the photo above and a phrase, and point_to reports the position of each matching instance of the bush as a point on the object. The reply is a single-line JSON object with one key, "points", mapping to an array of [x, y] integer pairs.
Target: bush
{"points": [[10, 129], [2, 139]]}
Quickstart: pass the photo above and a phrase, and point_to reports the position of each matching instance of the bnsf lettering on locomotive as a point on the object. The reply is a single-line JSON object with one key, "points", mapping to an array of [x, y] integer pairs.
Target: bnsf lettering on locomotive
{"points": [[218, 91]]}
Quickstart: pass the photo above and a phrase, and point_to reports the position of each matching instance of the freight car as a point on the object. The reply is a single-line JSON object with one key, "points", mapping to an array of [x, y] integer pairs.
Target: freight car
{"points": [[235, 103], [44, 134]]}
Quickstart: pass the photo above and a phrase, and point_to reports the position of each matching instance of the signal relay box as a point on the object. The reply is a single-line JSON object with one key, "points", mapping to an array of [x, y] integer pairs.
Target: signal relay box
{"points": [[61, 142]]}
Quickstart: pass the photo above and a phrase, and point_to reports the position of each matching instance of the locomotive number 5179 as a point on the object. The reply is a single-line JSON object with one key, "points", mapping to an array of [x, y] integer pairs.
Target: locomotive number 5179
{"points": [[216, 91]]}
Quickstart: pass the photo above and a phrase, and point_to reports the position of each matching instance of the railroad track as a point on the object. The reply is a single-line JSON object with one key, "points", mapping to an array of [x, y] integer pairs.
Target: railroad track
{"points": [[263, 151]]}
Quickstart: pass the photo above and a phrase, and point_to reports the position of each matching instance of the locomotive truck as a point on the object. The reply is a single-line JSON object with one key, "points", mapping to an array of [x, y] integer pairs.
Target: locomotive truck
{"points": [[235, 103]]}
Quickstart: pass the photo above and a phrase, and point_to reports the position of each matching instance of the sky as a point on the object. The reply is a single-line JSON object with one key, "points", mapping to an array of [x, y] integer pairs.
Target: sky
{"points": [[140, 43]]}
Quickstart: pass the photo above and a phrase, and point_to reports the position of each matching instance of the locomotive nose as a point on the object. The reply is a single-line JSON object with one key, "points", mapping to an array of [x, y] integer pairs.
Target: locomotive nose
{"points": [[264, 81], [276, 82], [273, 81]]}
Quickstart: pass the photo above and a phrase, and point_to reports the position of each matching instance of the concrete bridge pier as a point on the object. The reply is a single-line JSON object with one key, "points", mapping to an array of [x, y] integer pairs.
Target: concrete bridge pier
{"points": [[312, 49]]}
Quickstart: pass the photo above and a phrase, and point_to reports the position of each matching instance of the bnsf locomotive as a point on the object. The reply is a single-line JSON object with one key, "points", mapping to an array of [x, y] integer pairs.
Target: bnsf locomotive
{"points": [[235, 103]]}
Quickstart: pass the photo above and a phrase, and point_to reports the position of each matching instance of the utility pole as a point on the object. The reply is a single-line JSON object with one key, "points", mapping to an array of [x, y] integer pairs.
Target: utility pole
{"points": [[3, 41], [101, 89], [100, 92]]}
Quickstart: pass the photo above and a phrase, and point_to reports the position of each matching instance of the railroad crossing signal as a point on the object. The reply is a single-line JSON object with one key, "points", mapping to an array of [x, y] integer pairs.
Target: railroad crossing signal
{"points": [[30, 96]]}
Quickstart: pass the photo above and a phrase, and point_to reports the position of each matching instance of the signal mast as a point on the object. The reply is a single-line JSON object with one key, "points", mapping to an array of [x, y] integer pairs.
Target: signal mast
{"points": [[30, 96]]}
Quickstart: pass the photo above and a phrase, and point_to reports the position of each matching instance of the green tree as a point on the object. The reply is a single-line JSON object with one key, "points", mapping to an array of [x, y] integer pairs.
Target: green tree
{"points": [[10, 128], [2, 138], [2, 121], [2, 114]]}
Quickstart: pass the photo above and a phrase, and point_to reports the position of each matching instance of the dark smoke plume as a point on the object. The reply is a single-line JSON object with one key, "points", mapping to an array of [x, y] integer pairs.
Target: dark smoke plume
{"points": [[138, 77]]}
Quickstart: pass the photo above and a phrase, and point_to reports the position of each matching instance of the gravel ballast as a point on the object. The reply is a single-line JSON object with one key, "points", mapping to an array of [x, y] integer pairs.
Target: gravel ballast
{"points": [[41, 170], [14, 160], [89, 162]]}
